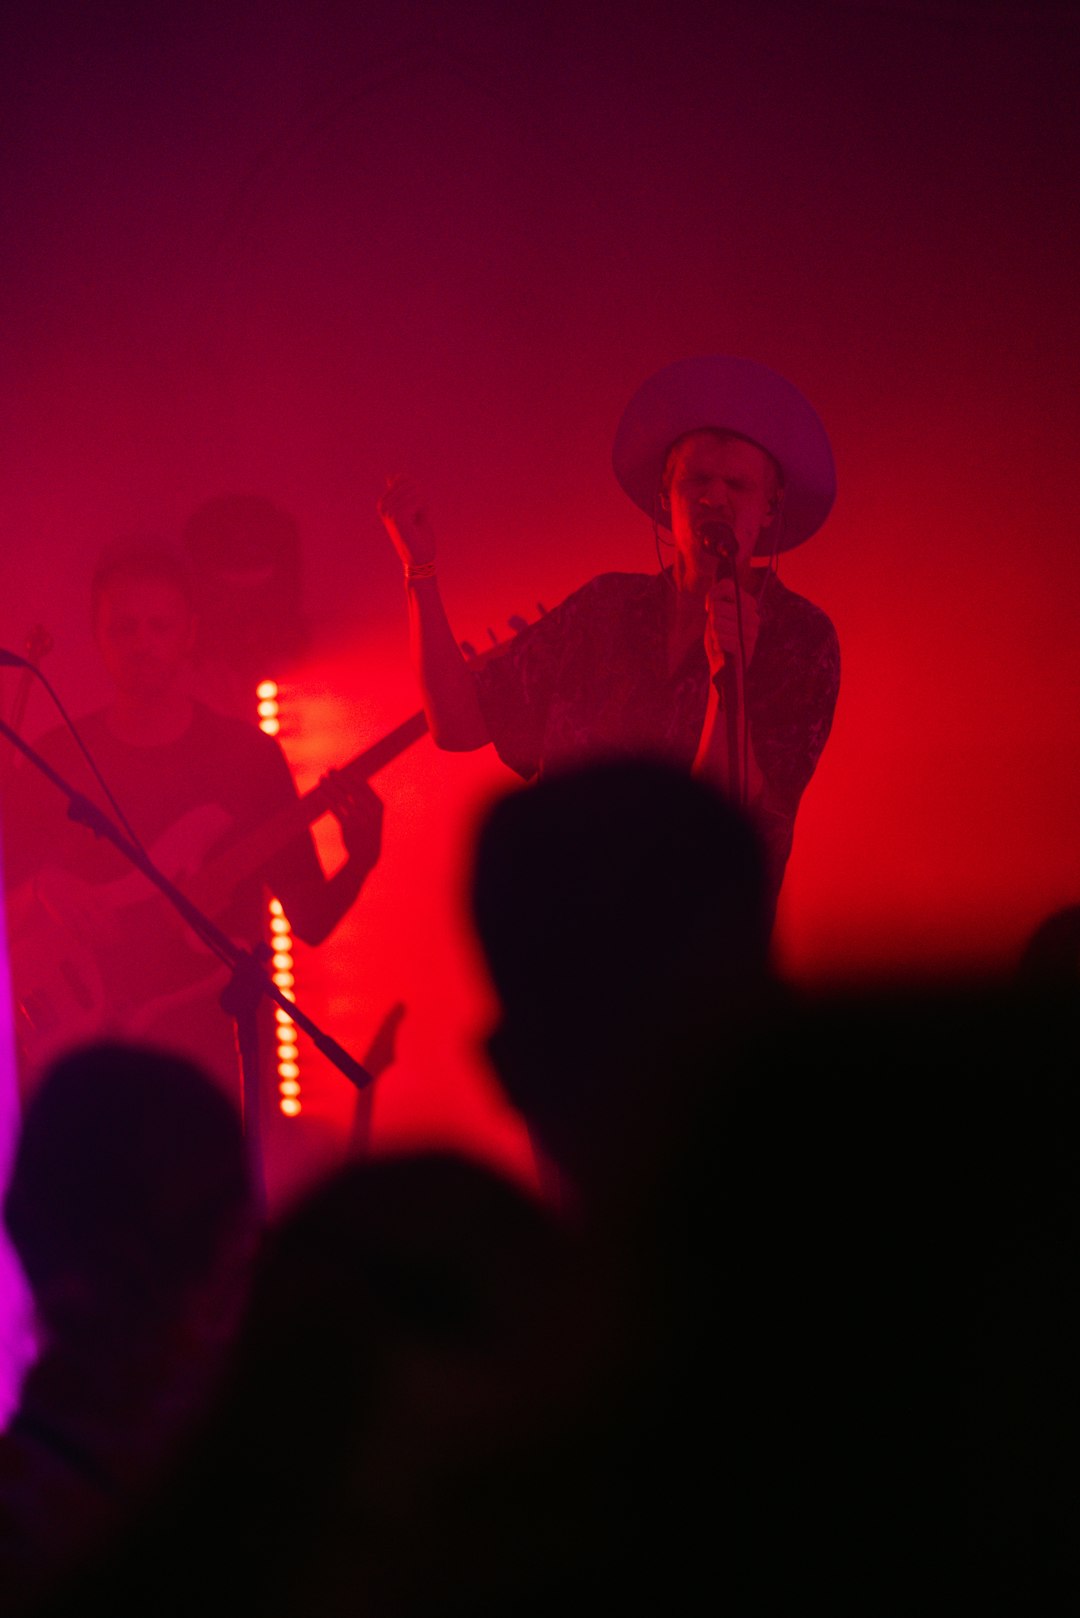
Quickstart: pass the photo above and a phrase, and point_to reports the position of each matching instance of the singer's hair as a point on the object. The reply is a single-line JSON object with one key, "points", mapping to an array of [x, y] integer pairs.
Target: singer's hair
{"points": [[724, 437], [140, 560]]}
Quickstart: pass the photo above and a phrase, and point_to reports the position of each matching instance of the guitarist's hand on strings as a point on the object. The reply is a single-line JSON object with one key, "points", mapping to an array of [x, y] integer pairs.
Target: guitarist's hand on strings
{"points": [[359, 812], [315, 905]]}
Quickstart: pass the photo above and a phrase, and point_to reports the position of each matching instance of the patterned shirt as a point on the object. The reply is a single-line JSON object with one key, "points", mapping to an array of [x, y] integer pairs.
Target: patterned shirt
{"points": [[592, 679]]}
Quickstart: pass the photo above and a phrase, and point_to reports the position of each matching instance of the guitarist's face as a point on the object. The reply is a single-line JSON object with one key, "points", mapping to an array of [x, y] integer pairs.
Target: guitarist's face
{"points": [[145, 631]]}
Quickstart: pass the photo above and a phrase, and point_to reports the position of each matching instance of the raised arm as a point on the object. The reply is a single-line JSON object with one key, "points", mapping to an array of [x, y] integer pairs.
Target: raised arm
{"points": [[449, 692]]}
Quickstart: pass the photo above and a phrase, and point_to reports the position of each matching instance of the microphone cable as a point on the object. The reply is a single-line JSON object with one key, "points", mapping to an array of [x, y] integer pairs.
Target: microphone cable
{"points": [[744, 782], [727, 551], [744, 773], [665, 572]]}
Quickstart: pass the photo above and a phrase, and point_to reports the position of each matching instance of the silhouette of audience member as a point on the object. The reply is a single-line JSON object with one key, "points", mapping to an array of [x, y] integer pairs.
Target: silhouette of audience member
{"points": [[870, 1297], [857, 1384], [130, 1211], [812, 1336], [1051, 956], [623, 914], [849, 1232], [402, 1428]]}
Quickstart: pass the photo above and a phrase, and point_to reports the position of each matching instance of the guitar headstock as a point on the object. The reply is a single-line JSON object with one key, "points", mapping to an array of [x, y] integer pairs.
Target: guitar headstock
{"points": [[515, 623], [39, 643]]}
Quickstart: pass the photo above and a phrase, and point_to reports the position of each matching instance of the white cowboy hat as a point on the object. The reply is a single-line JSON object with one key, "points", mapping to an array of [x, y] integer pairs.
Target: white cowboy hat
{"points": [[736, 396]]}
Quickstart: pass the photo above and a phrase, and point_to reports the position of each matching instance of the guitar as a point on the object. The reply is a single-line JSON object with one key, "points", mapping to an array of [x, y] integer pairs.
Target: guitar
{"points": [[115, 956]]}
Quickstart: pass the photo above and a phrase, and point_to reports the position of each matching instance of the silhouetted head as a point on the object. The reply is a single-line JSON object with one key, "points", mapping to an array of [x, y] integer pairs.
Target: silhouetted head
{"points": [[129, 1177], [1052, 953], [386, 1368], [622, 911]]}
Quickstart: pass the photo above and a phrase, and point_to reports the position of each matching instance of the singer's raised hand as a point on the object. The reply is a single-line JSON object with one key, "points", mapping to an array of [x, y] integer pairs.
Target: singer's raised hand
{"points": [[404, 514]]}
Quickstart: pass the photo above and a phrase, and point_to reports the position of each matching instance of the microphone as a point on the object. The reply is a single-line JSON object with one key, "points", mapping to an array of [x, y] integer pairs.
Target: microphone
{"points": [[12, 660], [718, 538]]}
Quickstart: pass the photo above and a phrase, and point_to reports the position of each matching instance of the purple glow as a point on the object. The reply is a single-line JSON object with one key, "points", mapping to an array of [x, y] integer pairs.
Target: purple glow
{"points": [[16, 1335]]}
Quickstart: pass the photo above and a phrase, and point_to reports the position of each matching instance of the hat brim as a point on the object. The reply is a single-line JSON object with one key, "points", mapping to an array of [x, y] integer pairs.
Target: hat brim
{"points": [[737, 396]]}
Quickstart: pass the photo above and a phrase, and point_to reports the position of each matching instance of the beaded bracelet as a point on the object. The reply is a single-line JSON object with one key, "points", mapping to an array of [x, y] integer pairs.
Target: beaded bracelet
{"points": [[419, 570]]}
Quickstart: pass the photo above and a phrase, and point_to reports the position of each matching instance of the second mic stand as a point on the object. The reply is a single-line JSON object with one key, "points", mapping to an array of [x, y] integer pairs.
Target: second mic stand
{"points": [[250, 982]]}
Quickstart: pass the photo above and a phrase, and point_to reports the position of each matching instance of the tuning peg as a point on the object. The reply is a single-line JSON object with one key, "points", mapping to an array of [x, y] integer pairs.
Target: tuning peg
{"points": [[517, 623], [492, 637], [541, 609], [467, 648]]}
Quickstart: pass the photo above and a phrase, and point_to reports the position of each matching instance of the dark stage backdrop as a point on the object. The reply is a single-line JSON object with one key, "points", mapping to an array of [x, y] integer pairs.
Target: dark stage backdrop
{"points": [[291, 246]]}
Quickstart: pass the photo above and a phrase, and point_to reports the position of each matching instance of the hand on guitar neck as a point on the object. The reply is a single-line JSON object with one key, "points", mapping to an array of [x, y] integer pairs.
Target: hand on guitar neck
{"points": [[359, 813], [316, 907]]}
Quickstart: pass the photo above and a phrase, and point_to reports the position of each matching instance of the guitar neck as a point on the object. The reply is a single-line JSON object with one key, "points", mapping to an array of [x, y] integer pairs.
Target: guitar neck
{"points": [[247, 858], [225, 871]]}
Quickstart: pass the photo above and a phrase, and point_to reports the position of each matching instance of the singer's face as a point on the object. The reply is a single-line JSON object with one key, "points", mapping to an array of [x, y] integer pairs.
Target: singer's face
{"points": [[144, 630], [717, 477]]}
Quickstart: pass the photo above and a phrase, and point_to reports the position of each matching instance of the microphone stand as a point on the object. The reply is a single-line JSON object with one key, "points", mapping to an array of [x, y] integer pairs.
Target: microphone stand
{"points": [[727, 684], [249, 982], [726, 679]]}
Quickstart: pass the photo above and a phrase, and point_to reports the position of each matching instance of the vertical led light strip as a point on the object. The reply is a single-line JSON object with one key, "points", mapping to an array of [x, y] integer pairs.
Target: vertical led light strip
{"points": [[288, 1056], [269, 712]]}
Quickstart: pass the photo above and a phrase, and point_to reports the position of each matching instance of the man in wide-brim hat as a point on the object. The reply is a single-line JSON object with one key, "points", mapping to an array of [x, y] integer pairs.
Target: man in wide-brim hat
{"points": [[733, 462]]}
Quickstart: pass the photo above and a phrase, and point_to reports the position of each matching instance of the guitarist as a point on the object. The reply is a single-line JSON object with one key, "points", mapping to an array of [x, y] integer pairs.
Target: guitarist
{"points": [[184, 777]]}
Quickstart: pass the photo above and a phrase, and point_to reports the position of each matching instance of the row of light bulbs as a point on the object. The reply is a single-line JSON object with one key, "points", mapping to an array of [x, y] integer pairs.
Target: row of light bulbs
{"points": [[284, 976]]}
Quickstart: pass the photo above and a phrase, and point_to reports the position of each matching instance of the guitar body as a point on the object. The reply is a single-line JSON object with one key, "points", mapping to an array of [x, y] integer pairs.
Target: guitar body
{"points": [[90, 960]]}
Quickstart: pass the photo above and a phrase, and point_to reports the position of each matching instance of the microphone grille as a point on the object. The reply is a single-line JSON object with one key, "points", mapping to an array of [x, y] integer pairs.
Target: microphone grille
{"points": [[718, 538]]}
